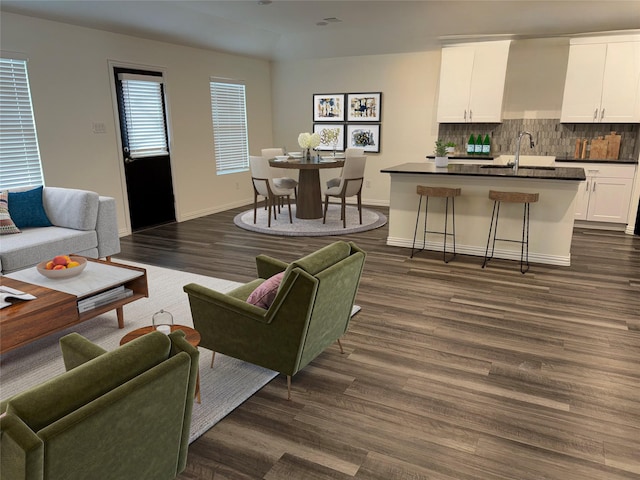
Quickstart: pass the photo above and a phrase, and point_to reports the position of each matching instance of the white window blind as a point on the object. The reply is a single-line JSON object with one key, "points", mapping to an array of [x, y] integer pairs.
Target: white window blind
{"points": [[19, 154], [229, 114], [144, 115]]}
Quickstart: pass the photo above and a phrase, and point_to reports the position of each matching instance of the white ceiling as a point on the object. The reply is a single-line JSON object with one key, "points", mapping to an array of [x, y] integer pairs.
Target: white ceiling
{"points": [[286, 29]]}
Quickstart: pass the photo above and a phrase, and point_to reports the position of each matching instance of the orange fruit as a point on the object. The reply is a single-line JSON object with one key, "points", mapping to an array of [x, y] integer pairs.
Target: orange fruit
{"points": [[72, 264], [60, 260], [59, 267], [49, 265]]}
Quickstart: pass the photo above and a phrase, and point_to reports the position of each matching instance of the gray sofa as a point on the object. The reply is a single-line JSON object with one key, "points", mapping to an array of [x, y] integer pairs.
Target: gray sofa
{"points": [[84, 223]]}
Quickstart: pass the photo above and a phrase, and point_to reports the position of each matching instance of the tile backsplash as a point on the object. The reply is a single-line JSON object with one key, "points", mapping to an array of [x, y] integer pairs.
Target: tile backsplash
{"points": [[551, 137]]}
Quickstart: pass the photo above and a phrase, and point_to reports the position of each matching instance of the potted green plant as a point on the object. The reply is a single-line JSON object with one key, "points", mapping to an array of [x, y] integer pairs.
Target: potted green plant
{"points": [[450, 147], [441, 154]]}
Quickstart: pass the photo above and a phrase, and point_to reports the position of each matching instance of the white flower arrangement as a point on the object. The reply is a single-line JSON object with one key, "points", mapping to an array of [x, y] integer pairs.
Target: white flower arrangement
{"points": [[308, 140]]}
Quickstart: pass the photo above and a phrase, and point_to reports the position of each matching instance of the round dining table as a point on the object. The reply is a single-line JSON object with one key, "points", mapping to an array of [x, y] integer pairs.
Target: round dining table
{"points": [[309, 200]]}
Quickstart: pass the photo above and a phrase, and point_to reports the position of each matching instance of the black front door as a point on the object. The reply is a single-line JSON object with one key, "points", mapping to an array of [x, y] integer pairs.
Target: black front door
{"points": [[147, 164]]}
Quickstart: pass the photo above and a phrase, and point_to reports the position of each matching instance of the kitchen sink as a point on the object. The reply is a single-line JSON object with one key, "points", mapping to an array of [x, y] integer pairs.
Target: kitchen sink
{"points": [[533, 167]]}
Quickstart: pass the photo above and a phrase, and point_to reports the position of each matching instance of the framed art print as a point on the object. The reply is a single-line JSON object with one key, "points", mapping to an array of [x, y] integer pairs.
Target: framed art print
{"points": [[331, 136], [364, 107], [364, 136], [328, 107]]}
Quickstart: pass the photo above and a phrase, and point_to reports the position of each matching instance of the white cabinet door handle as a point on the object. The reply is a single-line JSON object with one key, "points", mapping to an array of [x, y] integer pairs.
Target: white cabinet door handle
{"points": [[602, 115], [465, 115], [594, 186], [595, 114]]}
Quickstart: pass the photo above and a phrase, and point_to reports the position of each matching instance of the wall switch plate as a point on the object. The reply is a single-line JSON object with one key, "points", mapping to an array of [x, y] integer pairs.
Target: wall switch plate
{"points": [[98, 127]]}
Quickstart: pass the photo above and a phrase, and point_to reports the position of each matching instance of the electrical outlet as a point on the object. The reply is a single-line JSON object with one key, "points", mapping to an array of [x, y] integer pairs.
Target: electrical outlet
{"points": [[367, 184], [98, 127]]}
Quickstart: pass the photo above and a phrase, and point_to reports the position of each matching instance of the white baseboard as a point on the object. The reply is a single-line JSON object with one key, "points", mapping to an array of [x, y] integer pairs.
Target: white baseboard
{"points": [[241, 203], [614, 227], [354, 201], [216, 209], [560, 260]]}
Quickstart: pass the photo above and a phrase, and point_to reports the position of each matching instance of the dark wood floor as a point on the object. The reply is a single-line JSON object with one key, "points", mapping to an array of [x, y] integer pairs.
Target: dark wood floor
{"points": [[450, 371]]}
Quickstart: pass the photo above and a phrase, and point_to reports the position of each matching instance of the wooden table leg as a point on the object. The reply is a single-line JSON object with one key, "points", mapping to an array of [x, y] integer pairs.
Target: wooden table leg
{"points": [[309, 201], [120, 315]]}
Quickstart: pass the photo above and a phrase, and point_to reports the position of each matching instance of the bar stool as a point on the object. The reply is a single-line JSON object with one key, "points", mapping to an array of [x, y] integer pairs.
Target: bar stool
{"points": [[510, 197], [442, 192]]}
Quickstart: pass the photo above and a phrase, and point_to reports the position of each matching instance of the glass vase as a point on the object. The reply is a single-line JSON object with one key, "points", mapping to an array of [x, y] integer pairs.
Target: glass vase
{"points": [[162, 321]]}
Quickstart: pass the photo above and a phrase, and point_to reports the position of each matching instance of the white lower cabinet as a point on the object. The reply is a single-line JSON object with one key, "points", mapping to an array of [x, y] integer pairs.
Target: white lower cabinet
{"points": [[605, 196]]}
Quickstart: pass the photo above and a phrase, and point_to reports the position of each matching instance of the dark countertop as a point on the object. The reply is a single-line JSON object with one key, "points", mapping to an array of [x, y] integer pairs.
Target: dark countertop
{"points": [[546, 173], [623, 161], [466, 157]]}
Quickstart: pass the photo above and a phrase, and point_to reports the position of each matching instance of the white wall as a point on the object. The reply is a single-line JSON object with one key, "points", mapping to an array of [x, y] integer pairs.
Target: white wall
{"points": [[71, 88], [408, 83], [536, 72]]}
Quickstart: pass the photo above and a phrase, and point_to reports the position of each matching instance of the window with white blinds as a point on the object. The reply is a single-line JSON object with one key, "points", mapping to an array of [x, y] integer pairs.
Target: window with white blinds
{"points": [[19, 154], [144, 115], [229, 114]]}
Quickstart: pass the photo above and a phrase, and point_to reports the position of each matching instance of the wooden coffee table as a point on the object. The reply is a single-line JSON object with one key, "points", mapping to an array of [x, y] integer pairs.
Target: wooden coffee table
{"points": [[56, 305], [191, 335]]}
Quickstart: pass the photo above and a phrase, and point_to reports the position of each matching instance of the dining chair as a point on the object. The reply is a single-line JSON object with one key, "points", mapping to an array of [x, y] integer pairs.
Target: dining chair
{"points": [[354, 152], [280, 177], [349, 152], [350, 184], [263, 185]]}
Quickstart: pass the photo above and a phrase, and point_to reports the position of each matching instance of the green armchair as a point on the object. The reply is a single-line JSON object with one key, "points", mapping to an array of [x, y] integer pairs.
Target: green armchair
{"points": [[123, 414], [311, 310]]}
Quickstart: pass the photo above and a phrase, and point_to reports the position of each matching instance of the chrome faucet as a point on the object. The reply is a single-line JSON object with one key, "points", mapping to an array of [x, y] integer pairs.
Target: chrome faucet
{"points": [[516, 159]]}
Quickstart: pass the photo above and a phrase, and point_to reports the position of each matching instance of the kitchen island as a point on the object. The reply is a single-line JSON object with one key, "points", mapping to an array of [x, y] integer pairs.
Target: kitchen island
{"points": [[551, 217]]}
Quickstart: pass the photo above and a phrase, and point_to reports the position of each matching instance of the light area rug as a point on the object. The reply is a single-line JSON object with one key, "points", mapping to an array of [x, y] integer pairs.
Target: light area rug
{"points": [[222, 388], [371, 219]]}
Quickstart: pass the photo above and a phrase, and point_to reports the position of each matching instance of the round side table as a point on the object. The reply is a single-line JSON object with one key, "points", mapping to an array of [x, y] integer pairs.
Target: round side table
{"points": [[191, 335]]}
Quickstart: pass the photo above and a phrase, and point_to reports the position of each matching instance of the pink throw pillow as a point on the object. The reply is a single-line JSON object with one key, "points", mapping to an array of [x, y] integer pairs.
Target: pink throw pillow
{"points": [[264, 295]]}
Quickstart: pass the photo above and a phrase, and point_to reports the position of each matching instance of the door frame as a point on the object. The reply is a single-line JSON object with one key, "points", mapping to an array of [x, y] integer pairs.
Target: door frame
{"points": [[116, 116]]}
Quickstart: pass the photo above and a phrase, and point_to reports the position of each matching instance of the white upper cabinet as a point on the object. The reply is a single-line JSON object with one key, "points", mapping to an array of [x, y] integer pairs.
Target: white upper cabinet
{"points": [[472, 80], [603, 81]]}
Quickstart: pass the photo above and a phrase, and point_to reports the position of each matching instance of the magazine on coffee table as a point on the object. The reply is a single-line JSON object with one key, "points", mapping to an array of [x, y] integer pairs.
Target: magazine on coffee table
{"points": [[8, 293]]}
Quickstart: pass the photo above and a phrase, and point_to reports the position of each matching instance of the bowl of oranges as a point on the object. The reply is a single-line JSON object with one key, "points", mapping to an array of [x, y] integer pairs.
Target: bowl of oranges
{"points": [[62, 266]]}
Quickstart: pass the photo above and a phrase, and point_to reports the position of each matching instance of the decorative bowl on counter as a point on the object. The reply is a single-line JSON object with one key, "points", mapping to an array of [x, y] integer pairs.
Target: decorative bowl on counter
{"points": [[73, 266]]}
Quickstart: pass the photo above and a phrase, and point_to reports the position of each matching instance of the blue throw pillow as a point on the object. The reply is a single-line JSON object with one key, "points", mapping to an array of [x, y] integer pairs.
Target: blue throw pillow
{"points": [[26, 209]]}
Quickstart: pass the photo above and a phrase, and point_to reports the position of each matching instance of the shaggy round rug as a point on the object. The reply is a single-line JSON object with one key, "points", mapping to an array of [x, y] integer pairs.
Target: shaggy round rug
{"points": [[311, 228]]}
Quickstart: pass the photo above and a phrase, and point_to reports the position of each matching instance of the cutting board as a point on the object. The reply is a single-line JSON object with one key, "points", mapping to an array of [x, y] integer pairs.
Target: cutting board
{"points": [[599, 148], [613, 146]]}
